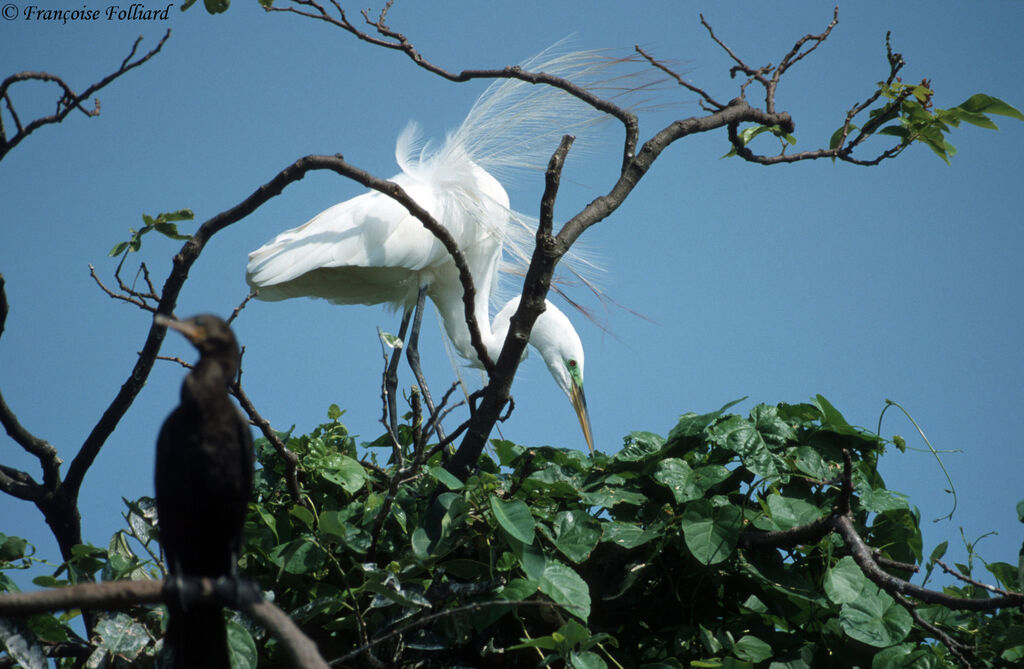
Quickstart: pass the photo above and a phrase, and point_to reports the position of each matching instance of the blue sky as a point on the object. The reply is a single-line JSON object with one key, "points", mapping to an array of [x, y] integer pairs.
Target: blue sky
{"points": [[777, 283]]}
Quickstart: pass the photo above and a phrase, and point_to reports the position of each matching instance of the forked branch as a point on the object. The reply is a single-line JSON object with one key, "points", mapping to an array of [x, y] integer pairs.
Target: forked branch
{"points": [[68, 100]]}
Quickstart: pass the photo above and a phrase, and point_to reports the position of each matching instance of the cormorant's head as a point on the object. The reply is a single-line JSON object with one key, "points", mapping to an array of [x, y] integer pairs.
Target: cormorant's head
{"points": [[208, 333]]}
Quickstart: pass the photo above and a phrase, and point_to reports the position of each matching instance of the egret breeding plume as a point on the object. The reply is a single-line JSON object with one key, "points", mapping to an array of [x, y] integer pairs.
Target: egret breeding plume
{"points": [[370, 250], [204, 472]]}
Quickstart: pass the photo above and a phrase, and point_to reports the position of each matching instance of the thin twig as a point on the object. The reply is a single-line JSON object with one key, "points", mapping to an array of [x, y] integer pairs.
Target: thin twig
{"points": [[69, 100], [705, 98], [291, 461]]}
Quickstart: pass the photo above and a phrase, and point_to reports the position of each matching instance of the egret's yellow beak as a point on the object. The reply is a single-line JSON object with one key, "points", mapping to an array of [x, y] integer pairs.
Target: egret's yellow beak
{"points": [[579, 403]]}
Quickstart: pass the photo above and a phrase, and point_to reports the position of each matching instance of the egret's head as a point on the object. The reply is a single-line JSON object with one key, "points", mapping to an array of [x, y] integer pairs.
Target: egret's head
{"points": [[556, 340]]}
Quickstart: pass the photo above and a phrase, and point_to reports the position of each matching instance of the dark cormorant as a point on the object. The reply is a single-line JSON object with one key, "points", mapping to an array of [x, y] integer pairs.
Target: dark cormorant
{"points": [[204, 470]]}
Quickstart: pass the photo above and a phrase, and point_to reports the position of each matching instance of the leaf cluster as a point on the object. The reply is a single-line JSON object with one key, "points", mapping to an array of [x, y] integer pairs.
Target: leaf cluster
{"points": [[165, 224], [911, 117], [660, 555]]}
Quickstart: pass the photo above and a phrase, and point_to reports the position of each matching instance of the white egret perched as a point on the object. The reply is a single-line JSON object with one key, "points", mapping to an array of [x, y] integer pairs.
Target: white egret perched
{"points": [[370, 250]]}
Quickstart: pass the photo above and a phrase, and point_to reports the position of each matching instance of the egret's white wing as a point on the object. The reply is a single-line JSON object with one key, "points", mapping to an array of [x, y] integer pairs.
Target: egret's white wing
{"points": [[366, 250]]}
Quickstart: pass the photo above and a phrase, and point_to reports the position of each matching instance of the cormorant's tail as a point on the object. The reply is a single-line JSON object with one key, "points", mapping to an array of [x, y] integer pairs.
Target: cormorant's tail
{"points": [[197, 639]]}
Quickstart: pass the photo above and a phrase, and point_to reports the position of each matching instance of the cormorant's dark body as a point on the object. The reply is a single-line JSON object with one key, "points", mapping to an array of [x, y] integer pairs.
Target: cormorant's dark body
{"points": [[204, 470]]}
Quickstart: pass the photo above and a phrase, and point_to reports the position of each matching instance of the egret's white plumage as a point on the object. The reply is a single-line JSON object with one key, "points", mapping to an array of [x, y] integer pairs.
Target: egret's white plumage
{"points": [[370, 250]]}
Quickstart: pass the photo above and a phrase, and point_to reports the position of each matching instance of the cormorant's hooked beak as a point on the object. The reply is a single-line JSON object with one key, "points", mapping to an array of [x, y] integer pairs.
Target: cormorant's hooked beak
{"points": [[579, 403], [191, 331]]}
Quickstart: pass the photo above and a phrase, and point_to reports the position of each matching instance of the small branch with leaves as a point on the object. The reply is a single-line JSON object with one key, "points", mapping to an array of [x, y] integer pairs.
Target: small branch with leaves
{"points": [[874, 566]]}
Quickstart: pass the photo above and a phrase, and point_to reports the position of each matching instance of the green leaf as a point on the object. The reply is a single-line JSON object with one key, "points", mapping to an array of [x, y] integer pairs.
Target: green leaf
{"points": [[48, 628], [938, 551], [333, 524], [834, 140], [709, 476], [740, 436], [973, 118], [118, 249], [343, 471], [623, 534], [639, 446], [420, 543], [531, 559], [576, 534], [241, 647], [564, 586], [677, 476], [986, 104], [300, 556], [1006, 574], [444, 476], [844, 581], [514, 517], [896, 534], [881, 500], [902, 655], [180, 215], [774, 430], [711, 532], [389, 340], [586, 660], [303, 515], [12, 548], [875, 618], [810, 462], [1020, 564], [608, 497], [752, 649], [507, 451], [120, 635], [216, 6], [830, 415], [691, 425], [46, 581], [789, 512]]}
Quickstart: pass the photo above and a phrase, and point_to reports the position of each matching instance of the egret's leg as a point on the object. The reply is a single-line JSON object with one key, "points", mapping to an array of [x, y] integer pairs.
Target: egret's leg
{"points": [[412, 354], [391, 376]]}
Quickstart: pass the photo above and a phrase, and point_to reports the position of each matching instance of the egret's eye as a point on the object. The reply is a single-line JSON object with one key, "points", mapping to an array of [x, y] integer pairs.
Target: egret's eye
{"points": [[571, 363]]}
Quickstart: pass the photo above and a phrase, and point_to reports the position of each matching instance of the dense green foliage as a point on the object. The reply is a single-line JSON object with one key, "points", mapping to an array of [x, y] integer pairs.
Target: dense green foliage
{"points": [[549, 557]]}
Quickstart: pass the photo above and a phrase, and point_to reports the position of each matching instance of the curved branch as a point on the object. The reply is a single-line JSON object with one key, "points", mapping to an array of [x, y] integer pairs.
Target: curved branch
{"points": [[397, 41], [125, 594], [871, 564], [68, 101], [190, 252], [17, 483]]}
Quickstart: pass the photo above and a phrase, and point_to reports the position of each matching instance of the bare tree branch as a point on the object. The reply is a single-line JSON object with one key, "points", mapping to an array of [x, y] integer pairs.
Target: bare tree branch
{"points": [[705, 98], [291, 461], [68, 101], [391, 39], [301, 650], [12, 481]]}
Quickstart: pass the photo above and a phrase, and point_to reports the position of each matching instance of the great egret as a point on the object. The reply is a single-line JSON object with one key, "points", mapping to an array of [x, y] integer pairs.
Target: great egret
{"points": [[370, 250], [204, 471]]}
